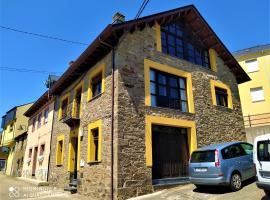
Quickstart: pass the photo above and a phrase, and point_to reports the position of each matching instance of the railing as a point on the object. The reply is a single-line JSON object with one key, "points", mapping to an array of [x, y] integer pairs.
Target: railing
{"points": [[69, 116], [257, 120]]}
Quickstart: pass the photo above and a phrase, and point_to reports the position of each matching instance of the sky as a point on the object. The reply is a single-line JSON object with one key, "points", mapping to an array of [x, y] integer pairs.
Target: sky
{"points": [[238, 23]]}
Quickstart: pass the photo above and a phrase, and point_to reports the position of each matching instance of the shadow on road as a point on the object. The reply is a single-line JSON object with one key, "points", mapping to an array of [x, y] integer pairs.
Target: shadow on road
{"points": [[222, 189], [265, 198]]}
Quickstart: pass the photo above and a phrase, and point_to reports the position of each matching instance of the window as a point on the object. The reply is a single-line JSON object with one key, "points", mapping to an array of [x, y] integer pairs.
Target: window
{"points": [[64, 108], [248, 148], [263, 150], [203, 156], [30, 153], [232, 151], [257, 94], [94, 142], [177, 41], [96, 85], [42, 149], [39, 121], [252, 65], [221, 96], [59, 150], [46, 113], [33, 124], [11, 127], [77, 103], [168, 90]]}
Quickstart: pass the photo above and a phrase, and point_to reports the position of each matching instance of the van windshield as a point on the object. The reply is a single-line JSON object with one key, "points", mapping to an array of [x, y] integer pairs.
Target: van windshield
{"points": [[203, 156], [263, 150]]}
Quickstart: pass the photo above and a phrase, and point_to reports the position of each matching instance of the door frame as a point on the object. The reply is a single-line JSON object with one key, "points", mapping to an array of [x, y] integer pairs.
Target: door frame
{"points": [[164, 121], [71, 151], [34, 165]]}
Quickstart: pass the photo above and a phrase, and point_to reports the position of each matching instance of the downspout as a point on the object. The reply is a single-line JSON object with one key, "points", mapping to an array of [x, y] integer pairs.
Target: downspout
{"points": [[112, 115], [49, 161]]}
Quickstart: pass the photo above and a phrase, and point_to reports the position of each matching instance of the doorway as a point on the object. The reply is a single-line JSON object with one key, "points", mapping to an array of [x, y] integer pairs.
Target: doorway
{"points": [[34, 161], [73, 157], [170, 152]]}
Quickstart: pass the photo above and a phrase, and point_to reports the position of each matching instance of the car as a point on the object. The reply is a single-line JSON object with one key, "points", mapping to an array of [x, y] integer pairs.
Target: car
{"points": [[261, 157], [228, 163]]}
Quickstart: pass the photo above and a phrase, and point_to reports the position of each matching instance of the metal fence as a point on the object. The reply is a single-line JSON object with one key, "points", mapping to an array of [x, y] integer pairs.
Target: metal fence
{"points": [[257, 120]]}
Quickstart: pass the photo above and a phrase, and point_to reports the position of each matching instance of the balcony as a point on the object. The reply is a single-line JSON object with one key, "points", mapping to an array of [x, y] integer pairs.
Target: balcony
{"points": [[71, 116]]}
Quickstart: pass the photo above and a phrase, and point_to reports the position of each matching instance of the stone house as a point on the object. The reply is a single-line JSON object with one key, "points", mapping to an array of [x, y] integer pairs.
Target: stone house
{"points": [[37, 152], [135, 104]]}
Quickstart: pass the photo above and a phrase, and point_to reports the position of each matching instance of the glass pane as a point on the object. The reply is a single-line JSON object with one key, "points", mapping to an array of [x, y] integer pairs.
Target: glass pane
{"points": [[164, 49], [163, 35], [179, 42], [184, 106], [153, 88], [180, 55], [171, 50], [174, 93], [179, 49], [153, 100], [191, 53], [172, 28], [162, 79], [171, 40], [190, 47], [162, 91], [152, 75], [179, 32], [173, 82], [183, 95], [182, 83]]}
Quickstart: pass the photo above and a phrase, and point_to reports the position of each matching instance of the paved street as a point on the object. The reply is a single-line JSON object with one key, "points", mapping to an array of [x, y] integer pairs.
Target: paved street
{"points": [[14, 189], [189, 192]]}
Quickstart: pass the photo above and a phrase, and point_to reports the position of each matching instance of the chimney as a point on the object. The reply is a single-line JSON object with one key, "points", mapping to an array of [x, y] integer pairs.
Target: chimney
{"points": [[70, 63], [118, 18]]}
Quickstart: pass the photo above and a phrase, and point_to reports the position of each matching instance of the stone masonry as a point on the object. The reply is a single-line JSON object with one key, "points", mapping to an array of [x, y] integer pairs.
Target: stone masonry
{"points": [[131, 175]]}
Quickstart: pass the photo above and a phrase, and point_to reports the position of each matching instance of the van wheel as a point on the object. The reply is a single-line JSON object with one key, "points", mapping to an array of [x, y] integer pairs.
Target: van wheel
{"points": [[267, 192], [236, 182]]}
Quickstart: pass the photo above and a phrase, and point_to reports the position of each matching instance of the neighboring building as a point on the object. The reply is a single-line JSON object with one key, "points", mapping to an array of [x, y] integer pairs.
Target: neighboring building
{"points": [[3, 155], [144, 95], [37, 151], [14, 125], [38, 148], [255, 94]]}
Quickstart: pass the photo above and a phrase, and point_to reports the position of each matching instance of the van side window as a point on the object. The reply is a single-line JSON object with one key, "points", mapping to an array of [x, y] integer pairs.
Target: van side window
{"points": [[248, 148], [232, 151], [263, 150]]}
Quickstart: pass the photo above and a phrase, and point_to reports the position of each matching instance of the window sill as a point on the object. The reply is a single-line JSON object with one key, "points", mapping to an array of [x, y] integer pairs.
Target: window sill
{"points": [[167, 108], [96, 97], [258, 101], [94, 162], [223, 108]]}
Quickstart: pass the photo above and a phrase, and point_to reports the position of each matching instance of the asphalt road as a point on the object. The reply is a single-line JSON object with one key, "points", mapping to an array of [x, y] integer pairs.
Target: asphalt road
{"points": [[190, 192]]}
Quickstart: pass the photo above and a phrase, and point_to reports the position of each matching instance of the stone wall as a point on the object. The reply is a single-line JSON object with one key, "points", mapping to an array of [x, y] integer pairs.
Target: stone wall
{"points": [[213, 123], [18, 158]]}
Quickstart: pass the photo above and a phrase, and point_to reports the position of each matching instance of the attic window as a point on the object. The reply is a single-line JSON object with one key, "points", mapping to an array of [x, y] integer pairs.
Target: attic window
{"points": [[177, 41]]}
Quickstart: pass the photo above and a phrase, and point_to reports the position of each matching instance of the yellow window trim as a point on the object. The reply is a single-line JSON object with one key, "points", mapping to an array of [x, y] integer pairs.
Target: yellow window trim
{"points": [[158, 37], [221, 85], [59, 161], [93, 72], [62, 98], [150, 120], [171, 70], [91, 126], [213, 59], [71, 151], [80, 85]]}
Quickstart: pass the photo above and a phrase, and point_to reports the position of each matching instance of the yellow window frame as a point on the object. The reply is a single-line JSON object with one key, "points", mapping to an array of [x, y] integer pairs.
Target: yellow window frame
{"points": [[93, 72], [92, 126], [171, 70], [213, 85], [62, 98], [164, 121], [59, 159], [80, 85]]}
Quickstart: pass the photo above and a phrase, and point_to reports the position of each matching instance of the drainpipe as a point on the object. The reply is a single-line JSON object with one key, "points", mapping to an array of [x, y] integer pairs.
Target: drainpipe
{"points": [[54, 109], [112, 115]]}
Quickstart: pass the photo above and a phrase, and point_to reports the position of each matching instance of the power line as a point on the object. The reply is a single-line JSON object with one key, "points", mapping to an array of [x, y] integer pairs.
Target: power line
{"points": [[42, 36], [27, 70], [145, 2]]}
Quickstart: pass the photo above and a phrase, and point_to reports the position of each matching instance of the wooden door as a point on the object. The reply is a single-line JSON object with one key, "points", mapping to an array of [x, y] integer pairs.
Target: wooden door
{"points": [[34, 161], [169, 152]]}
